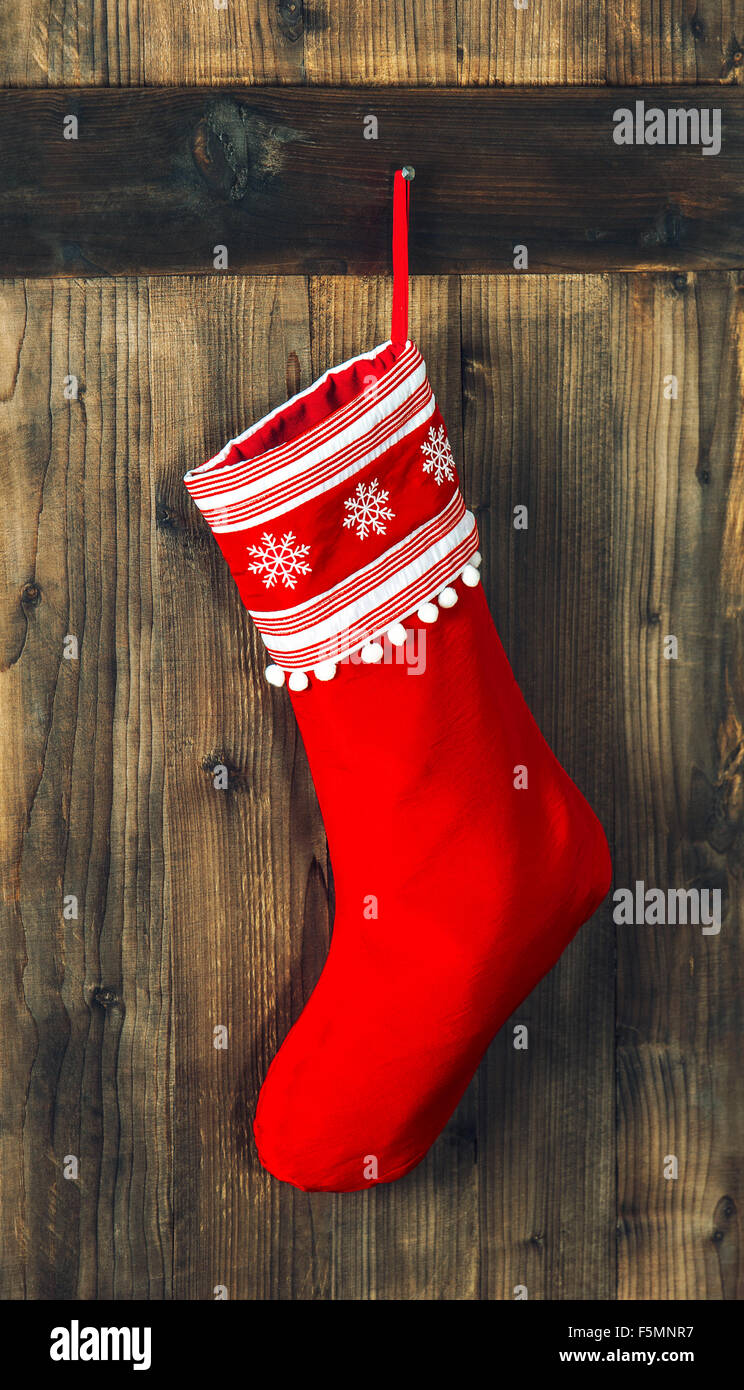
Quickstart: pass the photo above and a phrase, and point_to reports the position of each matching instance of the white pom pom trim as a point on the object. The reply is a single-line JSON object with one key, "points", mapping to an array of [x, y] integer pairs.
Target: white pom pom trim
{"points": [[372, 652], [325, 670]]}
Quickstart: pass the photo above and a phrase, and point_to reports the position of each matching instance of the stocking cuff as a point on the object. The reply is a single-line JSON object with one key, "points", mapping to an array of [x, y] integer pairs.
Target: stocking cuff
{"points": [[340, 514]]}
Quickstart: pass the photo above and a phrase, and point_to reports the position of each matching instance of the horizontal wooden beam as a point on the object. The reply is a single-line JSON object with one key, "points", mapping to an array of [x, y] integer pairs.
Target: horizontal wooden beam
{"points": [[288, 180]]}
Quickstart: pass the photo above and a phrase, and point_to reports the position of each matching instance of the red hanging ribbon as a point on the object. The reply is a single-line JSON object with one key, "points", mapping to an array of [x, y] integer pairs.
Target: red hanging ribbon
{"points": [[401, 199]]}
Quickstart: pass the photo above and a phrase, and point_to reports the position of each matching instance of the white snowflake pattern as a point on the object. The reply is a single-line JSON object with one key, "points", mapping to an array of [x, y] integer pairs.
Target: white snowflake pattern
{"points": [[439, 459], [279, 559], [367, 510]]}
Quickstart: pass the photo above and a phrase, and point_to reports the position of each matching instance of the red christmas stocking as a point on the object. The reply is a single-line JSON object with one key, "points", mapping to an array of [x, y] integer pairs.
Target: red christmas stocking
{"points": [[464, 857]]}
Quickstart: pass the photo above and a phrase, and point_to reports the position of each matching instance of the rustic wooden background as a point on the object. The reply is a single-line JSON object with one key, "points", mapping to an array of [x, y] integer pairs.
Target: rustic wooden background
{"points": [[200, 907], [286, 182]]}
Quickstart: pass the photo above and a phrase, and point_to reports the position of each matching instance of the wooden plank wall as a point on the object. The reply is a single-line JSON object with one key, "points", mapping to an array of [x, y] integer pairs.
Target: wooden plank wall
{"points": [[198, 907], [285, 182], [418, 43]]}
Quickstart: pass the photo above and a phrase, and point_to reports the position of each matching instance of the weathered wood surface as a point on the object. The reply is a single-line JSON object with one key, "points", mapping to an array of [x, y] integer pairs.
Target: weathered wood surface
{"points": [[529, 347], [200, 906], [677, 535], [284, 180], [424, 42], [85, 995]]}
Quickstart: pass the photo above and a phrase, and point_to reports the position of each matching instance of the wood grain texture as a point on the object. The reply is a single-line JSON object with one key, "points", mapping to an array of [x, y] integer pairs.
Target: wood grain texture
{"points": [[86, 1003], [193, 42], [536, 383], [249, 876], [414, 44], [417, 43], [554, 42], [672, 41], [43, 44], [677, 528], [284, 181]]}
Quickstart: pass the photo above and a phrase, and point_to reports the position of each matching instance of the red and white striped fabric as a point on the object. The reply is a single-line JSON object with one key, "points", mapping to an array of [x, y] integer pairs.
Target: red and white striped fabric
{"points": [[340, 513]]}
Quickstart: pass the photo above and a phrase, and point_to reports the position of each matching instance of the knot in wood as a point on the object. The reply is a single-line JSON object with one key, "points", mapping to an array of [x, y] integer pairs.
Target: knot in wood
{"points": [[31, 594], [105, 997]]}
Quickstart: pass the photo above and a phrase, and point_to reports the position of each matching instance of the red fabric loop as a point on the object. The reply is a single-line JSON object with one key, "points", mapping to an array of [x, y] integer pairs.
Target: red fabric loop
{"points": [[401, 199]]}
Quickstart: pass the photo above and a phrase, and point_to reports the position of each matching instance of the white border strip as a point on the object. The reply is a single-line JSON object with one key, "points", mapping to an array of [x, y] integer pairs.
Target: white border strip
{"points": [[355, 612], [298, 499], [375, 415], [396, 610], [245, 470], [371, 576], [216, 459]]}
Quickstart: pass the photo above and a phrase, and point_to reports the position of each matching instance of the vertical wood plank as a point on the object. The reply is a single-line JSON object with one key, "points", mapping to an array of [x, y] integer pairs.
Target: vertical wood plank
{"points": [[636, 530], [429, 43], [677, 42], [551, 43], [77, 44], [248, 865], [536, 391], [127, 43], [679, 502], [438, 1201], [85, 1007], [352, 45], [194, 43]]}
